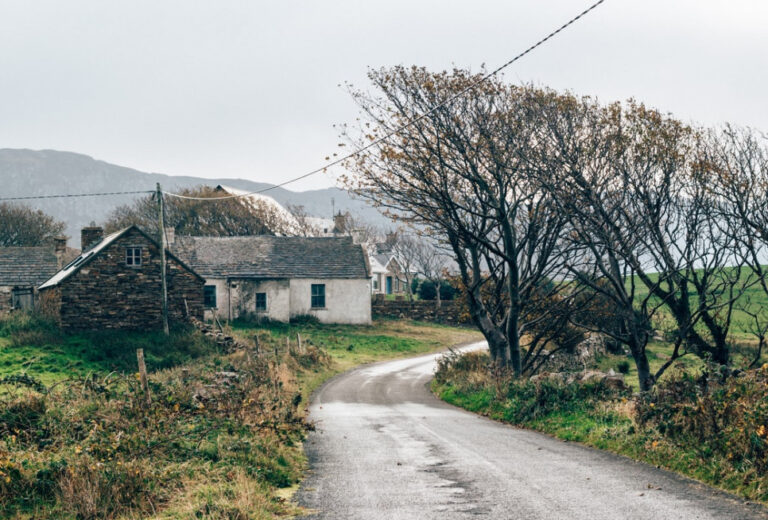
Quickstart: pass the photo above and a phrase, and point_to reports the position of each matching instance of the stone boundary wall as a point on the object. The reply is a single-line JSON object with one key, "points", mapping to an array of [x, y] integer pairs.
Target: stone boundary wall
{"points": [[420, 310]]}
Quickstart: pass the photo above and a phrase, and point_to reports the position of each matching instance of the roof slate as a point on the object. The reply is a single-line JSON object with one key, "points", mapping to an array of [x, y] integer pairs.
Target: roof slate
{"points": [[26, 266], [264, 256], [88, 255]]}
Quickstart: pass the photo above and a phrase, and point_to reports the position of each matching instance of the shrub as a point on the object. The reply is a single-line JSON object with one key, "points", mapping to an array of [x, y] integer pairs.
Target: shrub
{"points": [[714, 416], [305, 319], [29, 328], [623, 367], [427, 290]]}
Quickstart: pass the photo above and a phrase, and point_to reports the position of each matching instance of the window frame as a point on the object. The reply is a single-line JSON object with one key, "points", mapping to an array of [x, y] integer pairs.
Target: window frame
{"points": [[317, 298], [131, 256], [256, 302], [207, 289]]}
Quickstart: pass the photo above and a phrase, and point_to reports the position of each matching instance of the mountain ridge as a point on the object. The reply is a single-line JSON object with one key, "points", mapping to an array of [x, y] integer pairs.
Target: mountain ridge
{"points": [[26, 172]]}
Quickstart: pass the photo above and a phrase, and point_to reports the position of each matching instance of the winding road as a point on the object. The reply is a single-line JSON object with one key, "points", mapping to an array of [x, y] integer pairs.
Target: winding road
{"points": [[386, 448]]}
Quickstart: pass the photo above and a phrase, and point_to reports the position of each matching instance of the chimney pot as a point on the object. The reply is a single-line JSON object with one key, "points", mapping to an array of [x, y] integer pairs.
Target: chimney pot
{"points": [[90, 236]]}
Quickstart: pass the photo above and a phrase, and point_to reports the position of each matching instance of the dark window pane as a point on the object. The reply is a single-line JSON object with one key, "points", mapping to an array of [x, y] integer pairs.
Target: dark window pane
{"points": [[318, 295], [209, 297], [133, 256], [261, 301]]}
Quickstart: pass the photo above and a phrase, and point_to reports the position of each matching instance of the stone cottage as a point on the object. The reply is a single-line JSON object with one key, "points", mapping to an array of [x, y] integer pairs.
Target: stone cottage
{"points": [[281, 277], [22, 269], [115, 283]]}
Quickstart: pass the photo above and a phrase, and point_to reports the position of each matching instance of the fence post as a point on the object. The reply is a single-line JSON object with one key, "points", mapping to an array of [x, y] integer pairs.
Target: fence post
{"points": [[298, 340], [143, 375]]}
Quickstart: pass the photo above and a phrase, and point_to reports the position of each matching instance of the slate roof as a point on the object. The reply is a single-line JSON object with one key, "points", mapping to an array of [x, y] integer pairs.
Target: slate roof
{"points": [[266, 256], [26, 266], [88, 255], [383, 259]]}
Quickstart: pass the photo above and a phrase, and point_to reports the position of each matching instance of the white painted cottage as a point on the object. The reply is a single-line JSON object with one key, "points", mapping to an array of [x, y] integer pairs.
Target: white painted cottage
{"points": [[281, 277]]}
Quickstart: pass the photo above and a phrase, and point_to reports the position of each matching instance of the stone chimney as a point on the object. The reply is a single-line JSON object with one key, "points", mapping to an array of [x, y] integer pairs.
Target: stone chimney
{"points": [[339, 223], [90, 236], [59, 249]]}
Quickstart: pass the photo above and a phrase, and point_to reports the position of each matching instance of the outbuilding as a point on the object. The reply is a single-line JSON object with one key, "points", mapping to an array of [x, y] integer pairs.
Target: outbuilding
{"points": [[280, 278], [115, 283], [23, 269]]}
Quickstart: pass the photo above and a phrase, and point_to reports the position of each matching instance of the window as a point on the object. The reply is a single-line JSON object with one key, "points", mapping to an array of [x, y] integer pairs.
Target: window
{"points": [[261, 301], [318, 295], [209, 297], [376, 283], [133, 256]]}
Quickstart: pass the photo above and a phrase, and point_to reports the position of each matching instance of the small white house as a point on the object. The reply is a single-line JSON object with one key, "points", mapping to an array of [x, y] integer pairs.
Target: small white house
{"points": [[386, 275], [281, 277]]}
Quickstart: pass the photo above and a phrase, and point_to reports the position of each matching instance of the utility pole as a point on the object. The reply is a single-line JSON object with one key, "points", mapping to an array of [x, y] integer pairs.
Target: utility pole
{"points": [[163, 280]]}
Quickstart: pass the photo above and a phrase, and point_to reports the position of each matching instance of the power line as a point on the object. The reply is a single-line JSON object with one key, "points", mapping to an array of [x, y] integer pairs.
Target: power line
{"points": [[70, 195], [335, 162], [412, 121]]}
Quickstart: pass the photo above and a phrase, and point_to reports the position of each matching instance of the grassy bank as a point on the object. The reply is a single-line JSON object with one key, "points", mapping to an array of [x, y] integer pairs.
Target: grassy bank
{"points": [[694, 423], [220, 438], [349, 346]]}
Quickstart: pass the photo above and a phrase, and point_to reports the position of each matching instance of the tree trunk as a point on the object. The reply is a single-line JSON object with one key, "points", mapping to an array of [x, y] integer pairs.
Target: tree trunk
{"points": [[644, 372], [513, 342], [644, 376]]}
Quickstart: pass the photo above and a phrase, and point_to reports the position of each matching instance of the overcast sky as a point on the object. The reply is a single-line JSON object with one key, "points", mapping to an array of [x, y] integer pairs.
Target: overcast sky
{"points": [[250, 89]]}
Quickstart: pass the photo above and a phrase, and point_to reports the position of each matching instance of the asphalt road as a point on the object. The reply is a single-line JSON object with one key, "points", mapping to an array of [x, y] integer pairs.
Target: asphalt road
{"points": [[386, 448]]}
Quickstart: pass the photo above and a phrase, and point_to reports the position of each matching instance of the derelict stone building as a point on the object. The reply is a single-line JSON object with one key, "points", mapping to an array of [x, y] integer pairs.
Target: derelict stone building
{"points": [[22, 269], [115, 283]]}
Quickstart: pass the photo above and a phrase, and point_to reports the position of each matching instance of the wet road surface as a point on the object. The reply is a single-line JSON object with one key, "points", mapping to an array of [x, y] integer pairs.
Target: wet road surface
{"points": [[386, 448]]}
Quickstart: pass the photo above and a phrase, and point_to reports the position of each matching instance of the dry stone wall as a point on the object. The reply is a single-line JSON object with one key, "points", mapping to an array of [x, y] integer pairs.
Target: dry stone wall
{"points": [[420, 310]]}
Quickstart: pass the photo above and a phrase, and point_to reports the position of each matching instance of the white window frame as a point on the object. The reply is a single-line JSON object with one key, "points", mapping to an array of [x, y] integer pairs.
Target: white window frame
{"points": [[132, 258]]}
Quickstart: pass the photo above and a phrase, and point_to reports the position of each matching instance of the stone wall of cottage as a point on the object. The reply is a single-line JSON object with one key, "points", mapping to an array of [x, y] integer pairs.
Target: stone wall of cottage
{"points": [[106, 293], [49, 303]]}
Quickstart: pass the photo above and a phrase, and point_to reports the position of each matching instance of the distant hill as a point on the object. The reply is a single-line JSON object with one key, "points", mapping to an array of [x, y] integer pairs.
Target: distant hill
{"points": [[49, 172]]}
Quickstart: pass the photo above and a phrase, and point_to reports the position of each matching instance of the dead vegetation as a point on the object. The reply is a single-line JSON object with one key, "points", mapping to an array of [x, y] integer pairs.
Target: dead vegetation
{"points": [[220, 435]]}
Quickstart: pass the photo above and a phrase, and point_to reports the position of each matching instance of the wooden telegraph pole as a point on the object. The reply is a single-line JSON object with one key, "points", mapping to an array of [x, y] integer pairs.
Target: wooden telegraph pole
{"points": [[164, 281]]}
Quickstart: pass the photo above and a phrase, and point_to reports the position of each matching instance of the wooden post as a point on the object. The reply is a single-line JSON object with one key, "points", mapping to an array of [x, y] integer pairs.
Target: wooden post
{"points": [[277, 355], [216, 320], [163, 280], [287, 344], [143, 375], [298, 340], [256, 344]]}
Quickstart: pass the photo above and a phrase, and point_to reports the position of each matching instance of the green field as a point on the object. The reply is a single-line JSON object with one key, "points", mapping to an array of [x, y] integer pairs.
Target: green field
{"points": [[753, 294]]}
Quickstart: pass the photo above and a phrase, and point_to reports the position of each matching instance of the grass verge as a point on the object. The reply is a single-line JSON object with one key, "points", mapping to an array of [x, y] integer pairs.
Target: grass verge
{"points": [[697, 424]]}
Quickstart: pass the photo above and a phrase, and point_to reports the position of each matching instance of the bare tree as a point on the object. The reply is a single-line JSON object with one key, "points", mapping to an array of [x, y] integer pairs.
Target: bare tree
{"points": [[738, 160], [229, 217], [305, 226], [642, 213], [431, 262], [457, 171], [23, 226], [405, 248]]}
